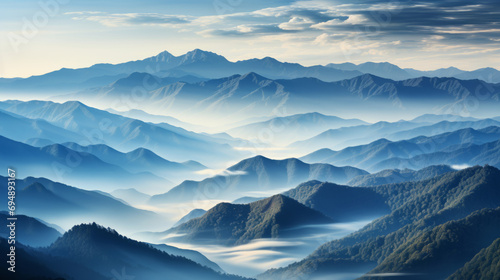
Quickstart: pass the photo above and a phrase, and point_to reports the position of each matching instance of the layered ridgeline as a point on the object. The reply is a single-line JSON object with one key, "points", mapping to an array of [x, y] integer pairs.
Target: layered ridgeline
{"points": [[30, 231], [101, 127], [465, 146], [285, 130], [141, 160], [391, 176], [257, 174], [396, 131], [251, 95], [193, 65], [232, 224], [89, 251], [60, 163], [432, 231], [65, 205], [391, 71], [198, 63]]}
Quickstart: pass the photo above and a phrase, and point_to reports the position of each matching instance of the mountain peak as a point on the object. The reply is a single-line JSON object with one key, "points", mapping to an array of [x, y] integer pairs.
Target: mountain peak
{"points": [[198, 55], [164, 56]]}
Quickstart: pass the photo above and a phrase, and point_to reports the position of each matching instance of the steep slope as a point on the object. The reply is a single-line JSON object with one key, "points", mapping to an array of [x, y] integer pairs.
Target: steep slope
{"points": [[391, 176], [231, 224], [341, 203], [30, 129], [439, 252], [30, 231], [256, 174], [417, 208], [193, 214], [195, 256], [104, 251], [34, 264], [484, 265]]}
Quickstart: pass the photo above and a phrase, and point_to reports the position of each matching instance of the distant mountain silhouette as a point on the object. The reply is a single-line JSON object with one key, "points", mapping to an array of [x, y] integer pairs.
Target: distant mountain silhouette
{"points": [[139, 160], [101, 127], [58, 162], [285, 130], [59, 203], [256, 174], [385, 154], [193, 214], [391, 176]]}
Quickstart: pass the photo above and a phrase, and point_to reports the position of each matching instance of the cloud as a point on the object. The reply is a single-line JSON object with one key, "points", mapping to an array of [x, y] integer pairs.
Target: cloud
{"points": [[129, 19]]}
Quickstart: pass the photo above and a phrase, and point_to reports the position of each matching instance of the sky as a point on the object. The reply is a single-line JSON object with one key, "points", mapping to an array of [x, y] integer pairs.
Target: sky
{"points": [[46, 35]]}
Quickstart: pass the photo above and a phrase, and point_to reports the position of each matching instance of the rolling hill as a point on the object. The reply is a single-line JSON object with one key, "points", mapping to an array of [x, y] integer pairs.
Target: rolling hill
{"points": [[341, 203], [233, 224]]}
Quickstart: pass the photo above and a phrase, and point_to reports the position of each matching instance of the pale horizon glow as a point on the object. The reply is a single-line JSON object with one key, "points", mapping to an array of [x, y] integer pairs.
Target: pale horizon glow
{"points": [[72, 34]]}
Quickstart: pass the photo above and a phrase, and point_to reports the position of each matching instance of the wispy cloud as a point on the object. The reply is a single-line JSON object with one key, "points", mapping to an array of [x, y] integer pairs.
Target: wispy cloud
{"points": [[129, 19]]}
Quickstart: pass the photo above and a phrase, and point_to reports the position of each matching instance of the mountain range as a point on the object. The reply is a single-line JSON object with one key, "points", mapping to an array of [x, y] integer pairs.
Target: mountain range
{"points": [[140, 160], [384, 154], [420, 237], [285, 130], [394, 131], [199, 64], [257, 174], [391, 71], [392, 176], [64, 205], [101, 127], [252, 95], [60, 163]]}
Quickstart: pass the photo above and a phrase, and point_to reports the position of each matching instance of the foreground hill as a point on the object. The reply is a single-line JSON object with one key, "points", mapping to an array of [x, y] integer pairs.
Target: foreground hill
{"points": [[234, 224], [257, 174], [483, 266], [420, 213], [89, 251]]}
